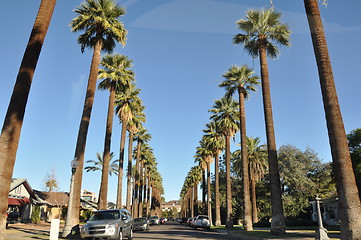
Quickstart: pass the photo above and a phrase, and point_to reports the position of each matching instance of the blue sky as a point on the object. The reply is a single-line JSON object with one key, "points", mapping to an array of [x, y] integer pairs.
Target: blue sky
{"points": [[180, 50]]}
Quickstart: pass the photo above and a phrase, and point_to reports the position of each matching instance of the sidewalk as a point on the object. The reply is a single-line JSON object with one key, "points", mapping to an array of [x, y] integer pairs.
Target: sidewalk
{"points": [[290, 234], [20, 231]]}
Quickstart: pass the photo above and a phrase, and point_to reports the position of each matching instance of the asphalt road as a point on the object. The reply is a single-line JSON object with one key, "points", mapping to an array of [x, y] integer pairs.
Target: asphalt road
{"points": [[174, 230]]}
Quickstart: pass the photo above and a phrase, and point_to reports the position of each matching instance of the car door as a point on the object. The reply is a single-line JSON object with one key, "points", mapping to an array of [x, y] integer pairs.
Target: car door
{"points": [[127, 221]]}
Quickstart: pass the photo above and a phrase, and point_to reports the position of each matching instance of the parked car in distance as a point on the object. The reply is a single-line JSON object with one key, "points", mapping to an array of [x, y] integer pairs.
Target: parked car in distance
{"points": [[188, 221], [154, 220], [7, 221], [108, 224], [201, 221], [183, 220], [191, 222], [141, 223]]}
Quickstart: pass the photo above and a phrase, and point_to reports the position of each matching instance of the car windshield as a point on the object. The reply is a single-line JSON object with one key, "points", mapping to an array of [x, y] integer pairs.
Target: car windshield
{"points": [[202, 217], [153, 217], [140, 220], [112, 214]]}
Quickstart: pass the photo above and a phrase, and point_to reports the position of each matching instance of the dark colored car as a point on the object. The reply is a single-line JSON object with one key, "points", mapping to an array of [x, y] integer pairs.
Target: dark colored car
{"points": [[183, 220], [108, 224], [141, 223]]}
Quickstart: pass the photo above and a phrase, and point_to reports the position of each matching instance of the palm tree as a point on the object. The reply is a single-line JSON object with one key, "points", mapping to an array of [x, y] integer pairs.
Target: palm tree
{"points": [[133, 125], [262, 29], [140, 137], [146, 152], [126, 100], [204, 155], [99, 20], [257, 156], [216, 143], [225, 113], [349, 201], [97, 165], [10, 133], [242, 80], [117, 75]]}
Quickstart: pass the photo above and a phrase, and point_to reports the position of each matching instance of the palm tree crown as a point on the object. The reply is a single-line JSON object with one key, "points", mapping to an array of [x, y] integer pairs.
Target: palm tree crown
{"points": [[97, 165], [239, 79], [262, 28], [116, 72], [225, 113], [99, 20]]}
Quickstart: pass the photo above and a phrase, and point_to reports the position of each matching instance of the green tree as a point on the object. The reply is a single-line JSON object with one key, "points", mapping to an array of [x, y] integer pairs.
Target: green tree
{"points": [[102, 29], [126, 101], [347, 191], [97, 165], [262, 29], [225, 113], [242, 80], [116, 75], [13, 122], [303, 176], [354, 143]]}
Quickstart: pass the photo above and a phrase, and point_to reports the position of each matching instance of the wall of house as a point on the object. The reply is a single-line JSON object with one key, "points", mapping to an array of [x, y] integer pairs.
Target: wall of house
{"points": [[20, 191]]}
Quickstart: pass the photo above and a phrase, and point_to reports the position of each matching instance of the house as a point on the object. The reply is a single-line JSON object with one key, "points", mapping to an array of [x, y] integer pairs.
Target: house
{"points": [[52, 204], [170, 205], [89, 196], [20, 200], [329, 211]]}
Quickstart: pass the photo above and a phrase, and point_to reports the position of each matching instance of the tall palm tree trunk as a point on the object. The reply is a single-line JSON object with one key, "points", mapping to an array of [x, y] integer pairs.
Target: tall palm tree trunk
{"points": [[247, 212], [278, 222], [191, 197], [140, 204], [209, 206], [349, 201], [254, 201], [148, 195], [136, 185], [195, 199], [121, 164], [10, 133], [72, 219], [129, 176], [216, 188], [203, 190], [103, 192], [229, 216]]}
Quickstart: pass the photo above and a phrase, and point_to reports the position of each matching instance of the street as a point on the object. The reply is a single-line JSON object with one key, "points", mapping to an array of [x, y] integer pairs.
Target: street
{"points": [[174, 230]]}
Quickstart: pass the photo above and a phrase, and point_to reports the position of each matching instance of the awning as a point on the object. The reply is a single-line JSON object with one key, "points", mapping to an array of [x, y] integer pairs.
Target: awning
{"points": [[18, 201]]}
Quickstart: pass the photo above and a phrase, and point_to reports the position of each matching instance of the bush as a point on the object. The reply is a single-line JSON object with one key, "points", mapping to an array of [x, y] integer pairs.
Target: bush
{"points": [[35, 214]]}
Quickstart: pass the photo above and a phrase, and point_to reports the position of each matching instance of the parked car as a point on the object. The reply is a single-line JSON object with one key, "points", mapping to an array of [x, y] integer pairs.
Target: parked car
{"points": [[141, 223], [7, 221], [201, 221], [183, 220], [108, 224], [161, 220], [154, 220], [191, 222], [188, 221]]}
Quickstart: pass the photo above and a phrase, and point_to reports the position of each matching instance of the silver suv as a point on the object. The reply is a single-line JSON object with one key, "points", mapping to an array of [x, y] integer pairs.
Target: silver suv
{"points": [[201, 221], [108, 224]]}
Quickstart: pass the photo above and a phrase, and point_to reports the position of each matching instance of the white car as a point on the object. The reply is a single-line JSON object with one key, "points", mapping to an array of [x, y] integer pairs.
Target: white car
{"points": [[202, 221]]}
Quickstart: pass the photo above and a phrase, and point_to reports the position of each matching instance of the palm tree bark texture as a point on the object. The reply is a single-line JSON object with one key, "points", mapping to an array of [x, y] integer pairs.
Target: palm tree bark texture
{"points": [[11, 130], [278, 222], [349, 201]]}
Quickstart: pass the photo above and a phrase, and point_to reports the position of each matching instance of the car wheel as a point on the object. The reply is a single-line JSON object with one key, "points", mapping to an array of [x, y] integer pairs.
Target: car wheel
{"points": [[130, 236], [120, 235]]}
